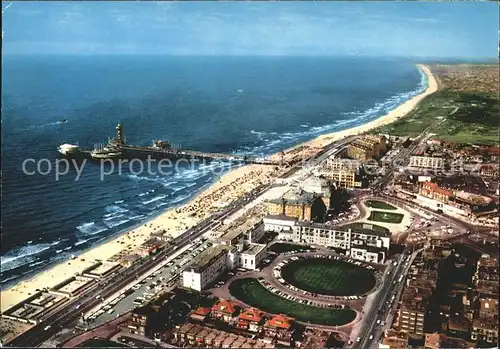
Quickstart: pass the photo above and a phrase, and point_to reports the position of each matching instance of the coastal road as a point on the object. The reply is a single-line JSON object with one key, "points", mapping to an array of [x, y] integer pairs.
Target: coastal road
{"points": [[69, 315]]}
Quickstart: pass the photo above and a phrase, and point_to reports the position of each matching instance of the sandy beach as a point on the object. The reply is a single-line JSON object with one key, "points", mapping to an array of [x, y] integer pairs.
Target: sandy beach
{"points": [[176, 220]]}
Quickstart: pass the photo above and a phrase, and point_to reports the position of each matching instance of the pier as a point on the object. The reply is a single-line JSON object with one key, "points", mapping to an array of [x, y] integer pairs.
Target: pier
{"points": [[118, 148]]}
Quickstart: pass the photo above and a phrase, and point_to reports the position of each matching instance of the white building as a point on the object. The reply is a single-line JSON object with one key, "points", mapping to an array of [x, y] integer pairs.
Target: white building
{"points": [[280, 224], [375, 244], [433, 162], [207, 267], [251, 257]]}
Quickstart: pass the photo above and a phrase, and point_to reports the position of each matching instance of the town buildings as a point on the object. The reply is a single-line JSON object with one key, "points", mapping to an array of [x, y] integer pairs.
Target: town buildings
{"points": [[485, 301], [427, 162], [234, 248], [299, 204], [207, 267], [394, 339], [341, 172], [363, 244], [367, 147]]}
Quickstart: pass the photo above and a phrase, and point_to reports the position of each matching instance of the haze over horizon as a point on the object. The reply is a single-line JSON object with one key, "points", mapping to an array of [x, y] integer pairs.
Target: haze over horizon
{"points": [[411, 29]]}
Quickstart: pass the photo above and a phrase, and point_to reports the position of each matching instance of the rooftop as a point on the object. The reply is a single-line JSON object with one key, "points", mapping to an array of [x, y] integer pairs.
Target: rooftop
{"points": [[280, 321], [281, 218], [224, 306], [235, 229], [296, 197], [251, 314], [208, 256], [254, 249]]}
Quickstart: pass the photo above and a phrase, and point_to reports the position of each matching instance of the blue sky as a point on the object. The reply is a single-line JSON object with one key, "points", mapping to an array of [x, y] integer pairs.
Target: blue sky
{"points": [[412, 29]]}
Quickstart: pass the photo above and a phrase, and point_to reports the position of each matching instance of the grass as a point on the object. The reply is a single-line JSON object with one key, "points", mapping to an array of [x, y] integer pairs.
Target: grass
{"points": [[386, 217], [363, 227], [281, 247], [251, 292], [328, 277], [380, 204], [454, 116]]}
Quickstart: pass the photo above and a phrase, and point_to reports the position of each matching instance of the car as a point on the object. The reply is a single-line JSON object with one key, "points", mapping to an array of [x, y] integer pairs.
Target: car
{"points": [[358, 339], [371, 336]]}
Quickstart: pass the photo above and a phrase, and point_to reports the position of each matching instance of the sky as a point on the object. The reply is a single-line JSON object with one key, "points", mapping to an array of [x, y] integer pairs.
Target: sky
{"points": [[410, 29]]}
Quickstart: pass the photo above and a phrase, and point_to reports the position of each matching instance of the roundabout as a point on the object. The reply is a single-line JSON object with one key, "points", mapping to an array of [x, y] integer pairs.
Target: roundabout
{"points": [[328, 277]]}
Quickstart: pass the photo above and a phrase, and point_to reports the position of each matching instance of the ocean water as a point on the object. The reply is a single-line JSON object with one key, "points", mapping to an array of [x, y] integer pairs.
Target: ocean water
{"points": [[242, 105]]}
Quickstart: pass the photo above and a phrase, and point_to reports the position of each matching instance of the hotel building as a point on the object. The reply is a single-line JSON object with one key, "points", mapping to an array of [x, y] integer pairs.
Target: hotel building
{"points": [[207, 267], [342, 172], [368, 147], [363, 244], [299, 204]]}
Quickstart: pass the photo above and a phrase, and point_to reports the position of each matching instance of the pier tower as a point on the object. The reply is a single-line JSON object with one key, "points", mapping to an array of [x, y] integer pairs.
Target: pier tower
{"points": [[119, 134]]}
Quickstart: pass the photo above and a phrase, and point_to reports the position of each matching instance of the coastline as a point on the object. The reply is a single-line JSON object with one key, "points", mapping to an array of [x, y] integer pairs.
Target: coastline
{"points": [[175, 220]]}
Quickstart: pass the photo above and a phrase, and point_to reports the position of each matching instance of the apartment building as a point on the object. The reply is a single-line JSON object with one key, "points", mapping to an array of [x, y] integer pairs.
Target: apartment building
{"points": [[341, 172], [207, 266], [485, 330], [360, 151], [363, 244], [368, 147], [426, 162], [412, 311]]}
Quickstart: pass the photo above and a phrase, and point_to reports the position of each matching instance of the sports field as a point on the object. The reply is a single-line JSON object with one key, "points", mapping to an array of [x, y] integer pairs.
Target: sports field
{"points": [[251, 292], [380, 204], [386, 217], [328, 277]]}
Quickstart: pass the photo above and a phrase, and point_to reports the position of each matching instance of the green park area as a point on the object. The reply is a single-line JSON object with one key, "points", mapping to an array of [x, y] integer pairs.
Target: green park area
{"points": [[386, 217], [368, 227], [458, 117], [380, 205], [328, 276], [251, 292]]}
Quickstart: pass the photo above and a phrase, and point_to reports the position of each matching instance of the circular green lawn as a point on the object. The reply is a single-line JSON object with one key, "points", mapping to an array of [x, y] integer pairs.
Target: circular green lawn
{"points": [[386, 217], [380, 204], [251, 292], [328, 277]]}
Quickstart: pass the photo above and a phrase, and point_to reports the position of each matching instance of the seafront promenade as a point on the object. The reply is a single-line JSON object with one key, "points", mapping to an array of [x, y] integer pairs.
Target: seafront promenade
{"points": [[178, 223]]}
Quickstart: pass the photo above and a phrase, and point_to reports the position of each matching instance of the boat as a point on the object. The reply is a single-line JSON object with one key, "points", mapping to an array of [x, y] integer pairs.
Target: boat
{"points": [[68, 149], [105, 153], [62, 121]]}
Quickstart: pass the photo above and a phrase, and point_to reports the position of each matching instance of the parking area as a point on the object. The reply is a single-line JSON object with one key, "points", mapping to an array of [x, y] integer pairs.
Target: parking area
{"points": [[161, 280]]}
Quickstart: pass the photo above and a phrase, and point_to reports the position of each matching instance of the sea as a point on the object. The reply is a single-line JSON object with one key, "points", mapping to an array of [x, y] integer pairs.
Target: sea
{"points": [[242, 105]]}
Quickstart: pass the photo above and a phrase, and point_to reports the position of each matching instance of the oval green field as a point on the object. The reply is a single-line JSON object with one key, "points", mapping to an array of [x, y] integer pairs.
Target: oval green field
{"points": [[328, 277], [251, 292]]}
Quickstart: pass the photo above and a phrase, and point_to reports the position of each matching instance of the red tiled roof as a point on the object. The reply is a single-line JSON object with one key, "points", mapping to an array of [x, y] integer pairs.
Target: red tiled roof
{"points": [[435, 188], [224, 306], [493, 150], [202, 311], [280, 321], [251, 314]]}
